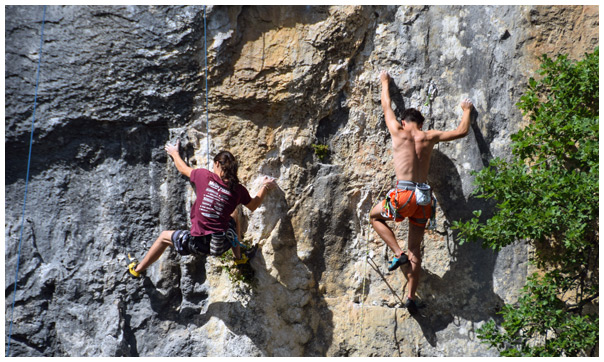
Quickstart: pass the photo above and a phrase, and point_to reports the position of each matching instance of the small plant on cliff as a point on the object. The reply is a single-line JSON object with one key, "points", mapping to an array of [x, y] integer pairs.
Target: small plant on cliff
{"points": [[322, 151], [548, 195], [237, 273]]}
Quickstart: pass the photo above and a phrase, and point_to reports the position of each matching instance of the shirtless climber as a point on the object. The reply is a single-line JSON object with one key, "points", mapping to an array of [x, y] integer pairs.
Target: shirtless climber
{"points": [[214, 226], [411, 196]]}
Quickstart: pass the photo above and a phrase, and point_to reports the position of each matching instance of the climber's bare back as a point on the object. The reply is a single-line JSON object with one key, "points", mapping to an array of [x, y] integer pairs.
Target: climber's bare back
{"points": [[412, 149]]}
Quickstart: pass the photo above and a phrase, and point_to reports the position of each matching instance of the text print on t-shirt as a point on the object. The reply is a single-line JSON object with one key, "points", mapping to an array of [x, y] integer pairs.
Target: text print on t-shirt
{"points": [[213, 201]]}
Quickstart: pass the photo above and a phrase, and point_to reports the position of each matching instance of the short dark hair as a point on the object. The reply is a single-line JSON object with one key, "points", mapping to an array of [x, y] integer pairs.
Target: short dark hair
{"points": [[413, 115]]}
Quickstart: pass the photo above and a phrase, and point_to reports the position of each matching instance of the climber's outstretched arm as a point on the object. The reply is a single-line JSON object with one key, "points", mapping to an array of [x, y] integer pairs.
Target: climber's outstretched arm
{"points": [[389, 116], [267, 184], [461, 130], [181, 166]]}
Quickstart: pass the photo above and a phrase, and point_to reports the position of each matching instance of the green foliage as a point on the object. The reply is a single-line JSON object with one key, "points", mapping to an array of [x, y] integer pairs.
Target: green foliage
{"points": [[322, 151], [548, 195], [541, 325], [237, 273]]}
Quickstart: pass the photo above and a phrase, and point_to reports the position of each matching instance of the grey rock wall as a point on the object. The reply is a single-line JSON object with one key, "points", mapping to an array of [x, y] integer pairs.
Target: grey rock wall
{"points": [[118, 82]]}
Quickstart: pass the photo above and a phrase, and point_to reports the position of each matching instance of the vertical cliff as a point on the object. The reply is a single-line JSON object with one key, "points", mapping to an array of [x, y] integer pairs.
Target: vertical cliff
{"points": [[117, 83]]}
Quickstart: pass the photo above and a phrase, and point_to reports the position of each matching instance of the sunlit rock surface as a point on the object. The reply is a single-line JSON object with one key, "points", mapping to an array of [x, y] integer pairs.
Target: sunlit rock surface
{"points": [[118, 83]]}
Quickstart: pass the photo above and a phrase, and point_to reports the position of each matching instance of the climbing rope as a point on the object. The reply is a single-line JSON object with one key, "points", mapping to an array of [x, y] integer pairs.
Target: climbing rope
{"points": [[205, 52], [368, 225], [31, 140], [363, 287]]}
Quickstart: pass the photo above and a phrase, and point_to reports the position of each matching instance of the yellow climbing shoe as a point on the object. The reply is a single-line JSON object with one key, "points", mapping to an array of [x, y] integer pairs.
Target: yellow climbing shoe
{"points": [[132, 267], [243, 259]]}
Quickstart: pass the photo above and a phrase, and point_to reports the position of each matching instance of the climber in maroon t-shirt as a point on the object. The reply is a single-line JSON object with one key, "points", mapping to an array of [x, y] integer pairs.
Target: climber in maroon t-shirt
{"points": [[214, 228]]}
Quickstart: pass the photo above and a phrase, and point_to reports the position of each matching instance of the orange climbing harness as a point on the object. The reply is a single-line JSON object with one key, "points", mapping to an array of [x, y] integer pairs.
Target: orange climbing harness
{"points": [[412, 200]]}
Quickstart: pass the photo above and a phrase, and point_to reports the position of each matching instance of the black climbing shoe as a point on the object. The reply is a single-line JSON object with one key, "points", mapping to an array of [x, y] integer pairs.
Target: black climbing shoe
{"points": [[251, 252], [396, 262], [411, 306]]}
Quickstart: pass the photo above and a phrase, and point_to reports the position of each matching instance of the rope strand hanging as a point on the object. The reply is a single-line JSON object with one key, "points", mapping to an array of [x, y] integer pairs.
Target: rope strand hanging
{"points": [[366, 246], [31, 140], [205, 53]]}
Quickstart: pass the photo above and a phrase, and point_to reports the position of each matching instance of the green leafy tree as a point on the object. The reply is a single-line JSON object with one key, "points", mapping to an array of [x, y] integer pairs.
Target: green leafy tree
{"points": [[547, 195]]}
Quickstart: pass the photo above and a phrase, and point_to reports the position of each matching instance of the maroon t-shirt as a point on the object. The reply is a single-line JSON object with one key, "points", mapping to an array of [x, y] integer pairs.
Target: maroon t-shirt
{"points": [[215, 202]]}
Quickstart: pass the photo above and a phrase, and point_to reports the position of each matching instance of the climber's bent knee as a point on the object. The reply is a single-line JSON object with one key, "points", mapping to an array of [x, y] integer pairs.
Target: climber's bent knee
{"points": [[166, 237]]}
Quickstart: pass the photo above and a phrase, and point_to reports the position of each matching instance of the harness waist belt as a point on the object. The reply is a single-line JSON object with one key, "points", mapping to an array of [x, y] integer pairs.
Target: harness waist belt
{"points": [[407, 185]]}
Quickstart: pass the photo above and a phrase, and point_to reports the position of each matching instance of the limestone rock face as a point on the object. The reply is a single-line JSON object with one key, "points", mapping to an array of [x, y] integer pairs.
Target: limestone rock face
{"points": [[118, 83]]}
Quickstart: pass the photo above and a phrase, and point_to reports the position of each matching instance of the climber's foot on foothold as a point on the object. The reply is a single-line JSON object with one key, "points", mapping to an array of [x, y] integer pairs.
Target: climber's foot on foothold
{"points": [[244, 259], [251, 252], [132, 263], [246, 255], [411, 306]]}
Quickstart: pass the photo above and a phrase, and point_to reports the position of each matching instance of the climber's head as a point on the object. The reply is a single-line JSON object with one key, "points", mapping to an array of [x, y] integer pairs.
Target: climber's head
{"points": [[413, 115], [225, 166]]}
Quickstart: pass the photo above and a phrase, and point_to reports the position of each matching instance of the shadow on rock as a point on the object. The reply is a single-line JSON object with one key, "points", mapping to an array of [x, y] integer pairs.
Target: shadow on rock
{"points": [[466, 290]]}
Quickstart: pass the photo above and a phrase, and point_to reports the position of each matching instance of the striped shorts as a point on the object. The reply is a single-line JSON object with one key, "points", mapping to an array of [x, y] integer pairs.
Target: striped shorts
{"points": [[214, 244]]}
